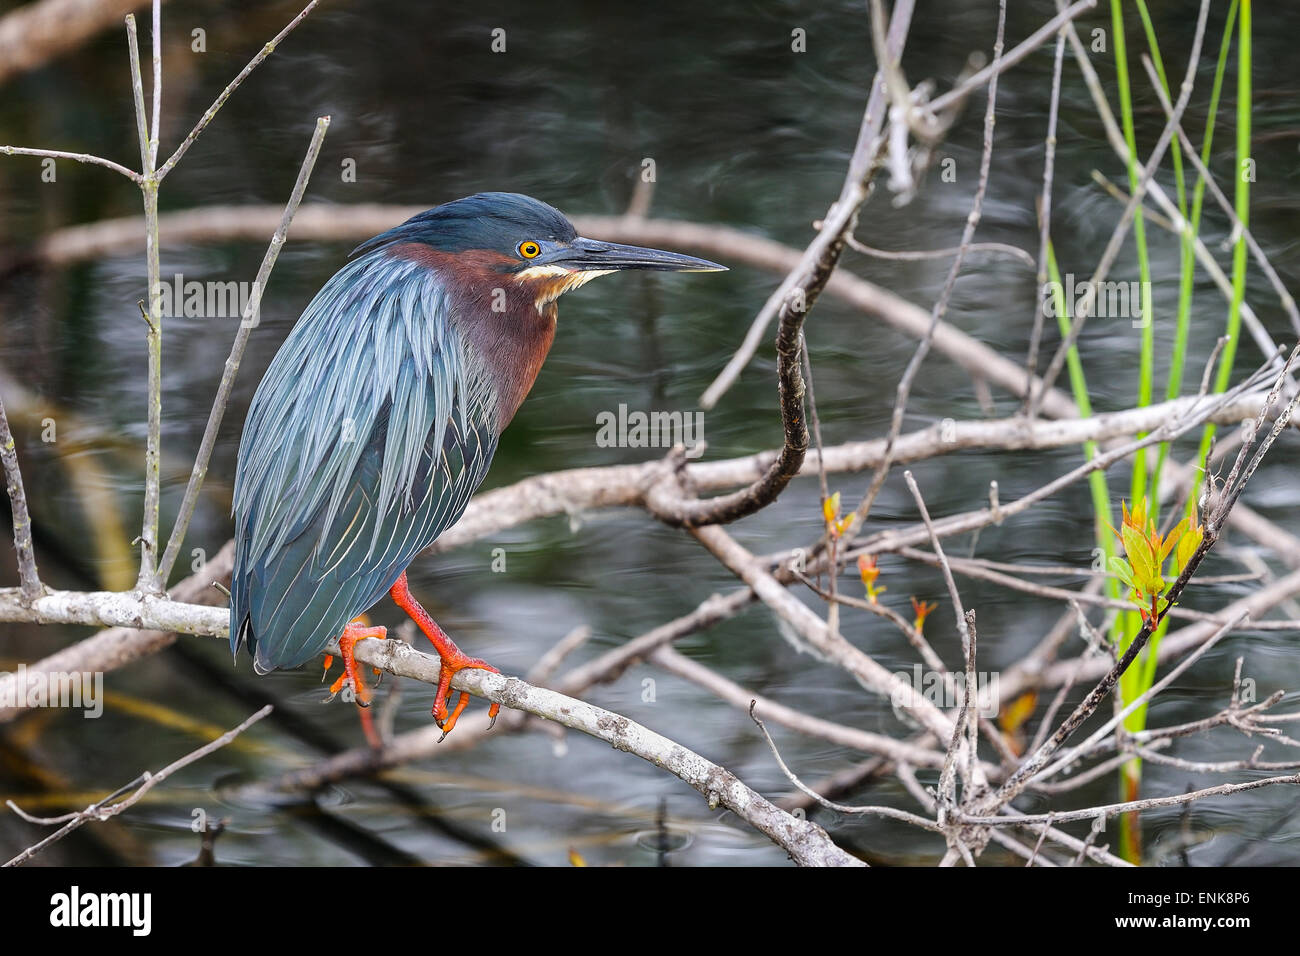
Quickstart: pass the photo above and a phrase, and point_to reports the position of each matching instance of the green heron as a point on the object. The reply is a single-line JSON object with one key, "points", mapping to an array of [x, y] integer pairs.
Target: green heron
{"points": [[379, 416]]}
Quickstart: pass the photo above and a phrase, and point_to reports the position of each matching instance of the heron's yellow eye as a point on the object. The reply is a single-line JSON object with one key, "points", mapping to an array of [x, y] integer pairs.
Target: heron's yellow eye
{"points": [[530, 249]]}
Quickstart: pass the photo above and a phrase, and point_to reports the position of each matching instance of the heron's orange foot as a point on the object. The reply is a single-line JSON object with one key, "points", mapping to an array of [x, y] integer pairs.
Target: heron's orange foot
{"points": [[452, 661], [351, 676]]}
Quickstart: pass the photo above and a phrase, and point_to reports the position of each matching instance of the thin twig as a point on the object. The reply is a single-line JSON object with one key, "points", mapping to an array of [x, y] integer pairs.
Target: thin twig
{"points": [[977, 570], [1203, 255], [1067, 757], [839, 220], [1116, 241], [1045, 208], [29, 580], [1021, 50], [156, 36], [966, 711], [900, 255], [233, 85], [1213, 525], [791, 305], [888, 812], [118, 168], [1284, 296], [904, 388], [246, 325], [147, 581], [969, 521], [105, 809], [1113, 809]]}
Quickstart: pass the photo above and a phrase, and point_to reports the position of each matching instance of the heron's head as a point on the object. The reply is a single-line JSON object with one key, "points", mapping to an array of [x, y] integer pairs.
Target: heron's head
{"points": [[525, 241]]}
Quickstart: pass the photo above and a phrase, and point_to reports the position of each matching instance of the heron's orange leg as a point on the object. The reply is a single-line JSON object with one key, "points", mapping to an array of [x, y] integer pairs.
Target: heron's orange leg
{"points": [[452, 658], [353, 632]]}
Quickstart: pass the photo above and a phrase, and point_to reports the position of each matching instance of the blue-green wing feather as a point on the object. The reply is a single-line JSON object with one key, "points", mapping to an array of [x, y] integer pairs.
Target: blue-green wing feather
{"points": [[364, 442]]}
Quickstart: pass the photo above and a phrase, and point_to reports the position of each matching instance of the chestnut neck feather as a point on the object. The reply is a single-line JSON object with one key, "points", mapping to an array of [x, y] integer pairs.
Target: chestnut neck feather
{"points": [[512, 341]]}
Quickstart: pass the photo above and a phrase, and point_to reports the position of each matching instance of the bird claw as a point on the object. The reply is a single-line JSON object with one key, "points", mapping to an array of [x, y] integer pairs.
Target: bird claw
{"points": [[450, 665], [452, 659], [351, 676]]}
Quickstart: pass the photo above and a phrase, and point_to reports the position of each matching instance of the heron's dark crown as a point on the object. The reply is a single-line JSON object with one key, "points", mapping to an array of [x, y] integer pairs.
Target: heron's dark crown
{"points": [[492, 221]]}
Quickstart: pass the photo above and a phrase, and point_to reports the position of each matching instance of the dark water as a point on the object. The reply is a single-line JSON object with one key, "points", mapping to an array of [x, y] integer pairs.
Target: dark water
{"points": [[744, 132]]}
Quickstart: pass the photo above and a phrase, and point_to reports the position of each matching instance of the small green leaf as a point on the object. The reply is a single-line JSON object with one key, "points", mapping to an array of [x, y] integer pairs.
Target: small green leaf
{"points": [[1139, 556], [1119, 567]]}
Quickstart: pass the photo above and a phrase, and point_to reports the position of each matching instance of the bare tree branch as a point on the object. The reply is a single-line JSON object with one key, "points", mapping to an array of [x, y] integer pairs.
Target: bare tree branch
{"points": [[106, 809], [796, 294], [246, 325], [22, 520], [233, 85], [118, 168]]}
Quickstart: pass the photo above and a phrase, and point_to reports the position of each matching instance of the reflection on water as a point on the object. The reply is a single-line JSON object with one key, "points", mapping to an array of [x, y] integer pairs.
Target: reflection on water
{"points": [[742, 131]]}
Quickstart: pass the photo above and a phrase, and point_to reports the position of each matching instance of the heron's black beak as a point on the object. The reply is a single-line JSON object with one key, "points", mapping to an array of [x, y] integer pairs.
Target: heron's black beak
{"points": [[591, 255]]}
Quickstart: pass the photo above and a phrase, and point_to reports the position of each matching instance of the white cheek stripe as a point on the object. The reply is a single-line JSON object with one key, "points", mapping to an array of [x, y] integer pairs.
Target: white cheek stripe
{"points": [[571, 280], [540, 272]]}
